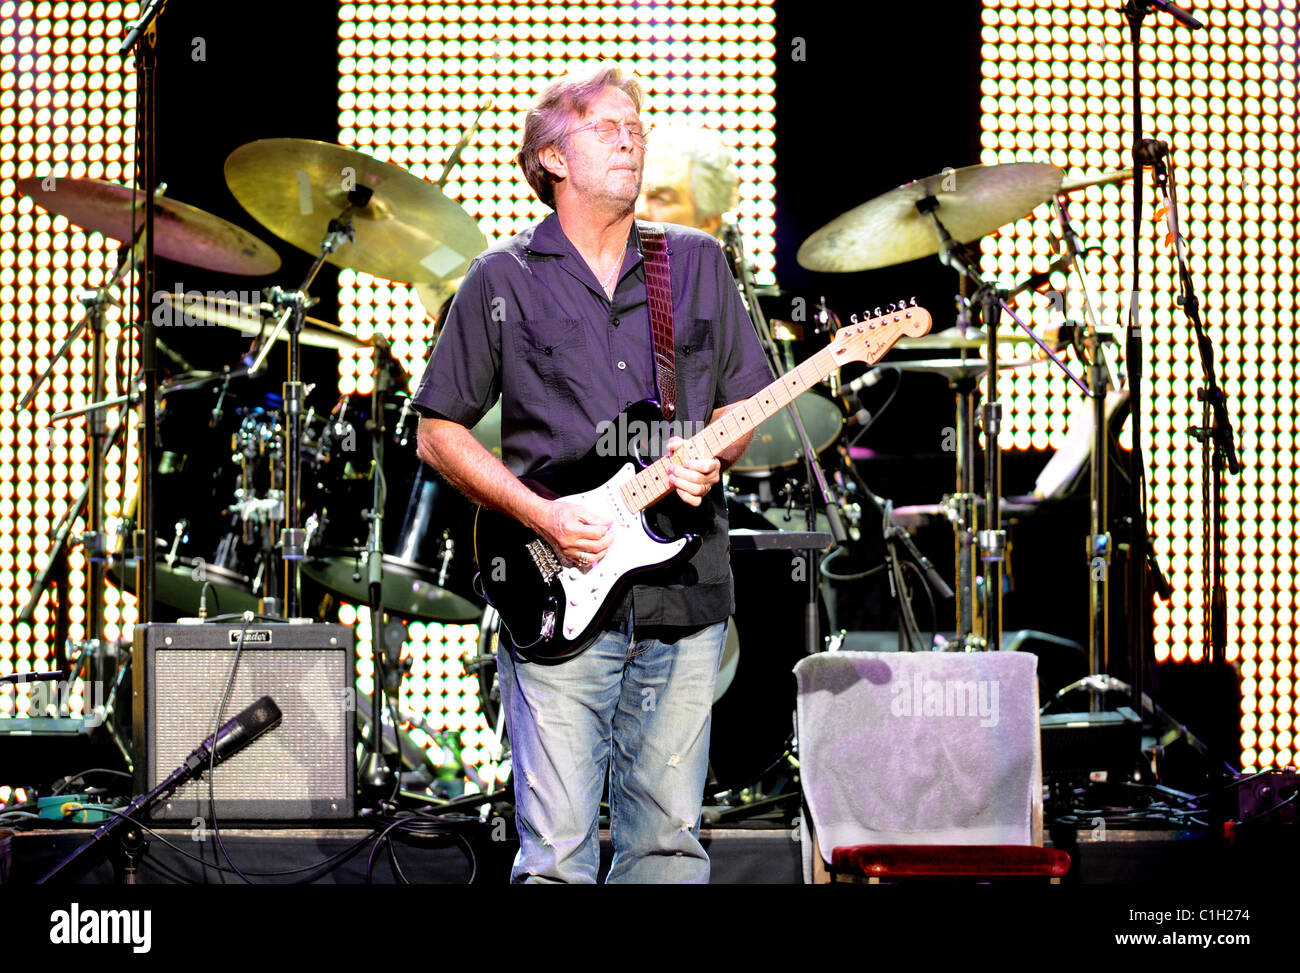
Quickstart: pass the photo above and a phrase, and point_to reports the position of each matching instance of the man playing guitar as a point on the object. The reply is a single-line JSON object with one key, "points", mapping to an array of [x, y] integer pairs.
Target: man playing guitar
{"points": [[556, 323]]}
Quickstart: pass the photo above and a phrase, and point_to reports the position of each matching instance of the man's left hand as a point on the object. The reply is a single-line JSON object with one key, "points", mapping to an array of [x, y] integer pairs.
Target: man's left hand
{"points": [[694, 478]]}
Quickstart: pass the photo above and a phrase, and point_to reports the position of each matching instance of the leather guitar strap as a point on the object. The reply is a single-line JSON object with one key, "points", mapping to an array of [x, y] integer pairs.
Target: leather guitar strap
{"points": [[659, 294]]}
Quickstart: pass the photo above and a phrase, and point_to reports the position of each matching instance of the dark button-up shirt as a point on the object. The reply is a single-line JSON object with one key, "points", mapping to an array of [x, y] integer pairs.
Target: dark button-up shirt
{"points": [[531, 324]]}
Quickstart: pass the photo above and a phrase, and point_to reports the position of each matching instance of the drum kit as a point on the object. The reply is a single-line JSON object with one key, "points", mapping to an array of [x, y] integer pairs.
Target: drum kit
{"points": [[246, 480]]}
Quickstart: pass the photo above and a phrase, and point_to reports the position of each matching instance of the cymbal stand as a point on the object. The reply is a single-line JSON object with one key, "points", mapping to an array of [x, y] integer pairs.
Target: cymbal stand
{"points": [[94, 540], [992, 302], [733, 240], [292, 306], [1102, 374]]}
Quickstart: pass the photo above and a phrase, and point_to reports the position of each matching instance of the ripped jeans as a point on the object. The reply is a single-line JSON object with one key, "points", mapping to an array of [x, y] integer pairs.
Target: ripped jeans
{"points": [[636, 710]]}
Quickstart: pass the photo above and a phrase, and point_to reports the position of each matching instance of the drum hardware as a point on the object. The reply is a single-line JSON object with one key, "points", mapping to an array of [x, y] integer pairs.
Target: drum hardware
{"points": [[379, 219], [254, 319], [179, 232], [426, 550]]}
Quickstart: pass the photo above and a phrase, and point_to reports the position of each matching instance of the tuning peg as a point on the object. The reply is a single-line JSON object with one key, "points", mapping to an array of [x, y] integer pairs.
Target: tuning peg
{"points": [[913, 300]]}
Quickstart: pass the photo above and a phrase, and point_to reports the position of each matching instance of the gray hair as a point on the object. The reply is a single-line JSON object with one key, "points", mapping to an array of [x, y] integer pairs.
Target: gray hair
{"points": [[713, 169], [547, 122]]}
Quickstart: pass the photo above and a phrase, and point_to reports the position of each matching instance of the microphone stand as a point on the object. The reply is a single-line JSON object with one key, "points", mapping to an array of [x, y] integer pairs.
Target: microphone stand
{"points": [[1215, 434], [143, 38], [812, 620], [1135, 12]]}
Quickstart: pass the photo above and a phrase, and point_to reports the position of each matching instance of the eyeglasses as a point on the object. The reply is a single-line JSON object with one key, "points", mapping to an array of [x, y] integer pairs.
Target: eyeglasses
{"points": [[607, 130]]}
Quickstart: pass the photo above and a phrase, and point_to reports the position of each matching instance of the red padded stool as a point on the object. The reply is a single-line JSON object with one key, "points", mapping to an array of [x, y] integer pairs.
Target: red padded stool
{"points": [[877, 863]]}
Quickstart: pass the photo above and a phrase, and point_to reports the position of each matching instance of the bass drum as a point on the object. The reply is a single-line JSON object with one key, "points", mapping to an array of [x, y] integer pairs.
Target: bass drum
{"points": [[754, 696]]}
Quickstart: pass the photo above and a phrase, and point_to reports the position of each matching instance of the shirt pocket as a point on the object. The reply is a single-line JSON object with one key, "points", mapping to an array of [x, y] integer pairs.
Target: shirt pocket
{"points": [[695, 373], [550, 360]]}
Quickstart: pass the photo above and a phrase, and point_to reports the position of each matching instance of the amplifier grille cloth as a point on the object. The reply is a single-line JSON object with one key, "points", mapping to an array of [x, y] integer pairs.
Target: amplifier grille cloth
{"points": [[289, 763]]}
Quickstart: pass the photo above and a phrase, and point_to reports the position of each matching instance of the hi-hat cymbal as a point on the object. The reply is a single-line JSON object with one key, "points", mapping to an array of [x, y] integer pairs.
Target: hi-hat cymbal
{"points": [[971, 202], [954, 369], [1070, 183], [955, 340], [182, 233], [188, 309], [407, 231]]}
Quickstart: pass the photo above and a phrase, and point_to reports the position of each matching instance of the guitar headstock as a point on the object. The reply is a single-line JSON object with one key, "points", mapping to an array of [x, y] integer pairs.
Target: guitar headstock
{"points": [[867, 337]]}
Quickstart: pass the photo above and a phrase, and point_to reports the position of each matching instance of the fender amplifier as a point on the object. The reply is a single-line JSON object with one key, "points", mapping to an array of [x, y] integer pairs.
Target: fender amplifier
{"points": [[304, 769]]}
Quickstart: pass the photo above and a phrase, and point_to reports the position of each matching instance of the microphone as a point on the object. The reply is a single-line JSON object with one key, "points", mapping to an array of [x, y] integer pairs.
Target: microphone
{"points": [[1034, 281], [872, 377], [1152, 152], [255, 719], [1175, 11], [860, 418]]}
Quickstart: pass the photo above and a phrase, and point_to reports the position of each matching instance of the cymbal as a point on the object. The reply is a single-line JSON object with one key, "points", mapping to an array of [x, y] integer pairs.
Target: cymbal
{"points": [[1070, 183], [956, 368], [407, 231], [954, 340], [887, 230], [254, 318], [182, 233]]}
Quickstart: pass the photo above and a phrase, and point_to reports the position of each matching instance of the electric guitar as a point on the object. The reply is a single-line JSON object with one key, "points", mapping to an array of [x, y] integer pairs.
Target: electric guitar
{"points": [[554, 607]]}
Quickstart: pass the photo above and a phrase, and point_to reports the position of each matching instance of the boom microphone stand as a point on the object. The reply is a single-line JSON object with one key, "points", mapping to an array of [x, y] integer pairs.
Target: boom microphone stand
{"points": [[1135, 11]]}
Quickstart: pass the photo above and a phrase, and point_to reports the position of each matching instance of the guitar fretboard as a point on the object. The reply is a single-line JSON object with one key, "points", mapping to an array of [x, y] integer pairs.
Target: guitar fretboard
{"points": [[866, 341]]}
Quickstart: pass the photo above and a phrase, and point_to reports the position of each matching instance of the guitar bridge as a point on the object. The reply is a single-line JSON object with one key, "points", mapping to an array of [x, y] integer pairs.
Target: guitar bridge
{"points": [[547, 563], [548, 624]]}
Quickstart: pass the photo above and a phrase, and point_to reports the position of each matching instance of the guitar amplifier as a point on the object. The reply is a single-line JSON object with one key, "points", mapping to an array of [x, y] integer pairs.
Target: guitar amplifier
{"points": [[304, 769]]}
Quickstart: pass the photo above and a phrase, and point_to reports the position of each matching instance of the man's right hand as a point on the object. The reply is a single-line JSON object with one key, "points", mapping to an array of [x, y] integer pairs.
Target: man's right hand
{"points": [[575, 532]]}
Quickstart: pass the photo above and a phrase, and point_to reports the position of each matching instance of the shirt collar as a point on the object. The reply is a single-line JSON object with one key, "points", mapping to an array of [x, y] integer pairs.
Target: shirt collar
{"points": [[548, 238]]}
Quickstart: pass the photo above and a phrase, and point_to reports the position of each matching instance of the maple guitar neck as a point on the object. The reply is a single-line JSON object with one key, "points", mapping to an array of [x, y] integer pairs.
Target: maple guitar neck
{"points": [[866, 341]]}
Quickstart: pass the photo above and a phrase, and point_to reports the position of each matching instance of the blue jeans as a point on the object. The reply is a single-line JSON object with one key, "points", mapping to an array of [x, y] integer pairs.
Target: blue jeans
{"points": [[636, 710]]}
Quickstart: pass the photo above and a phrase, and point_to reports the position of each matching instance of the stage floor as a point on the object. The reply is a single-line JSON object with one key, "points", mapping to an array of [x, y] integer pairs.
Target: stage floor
{"points": [[749, 855]]}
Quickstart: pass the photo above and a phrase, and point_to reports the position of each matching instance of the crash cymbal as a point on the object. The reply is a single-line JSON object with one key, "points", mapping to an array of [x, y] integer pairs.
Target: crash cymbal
{"points": [[971, 202], [193, 308], [1070, 183], [407, 231], [182, 233], [955, 340]]}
